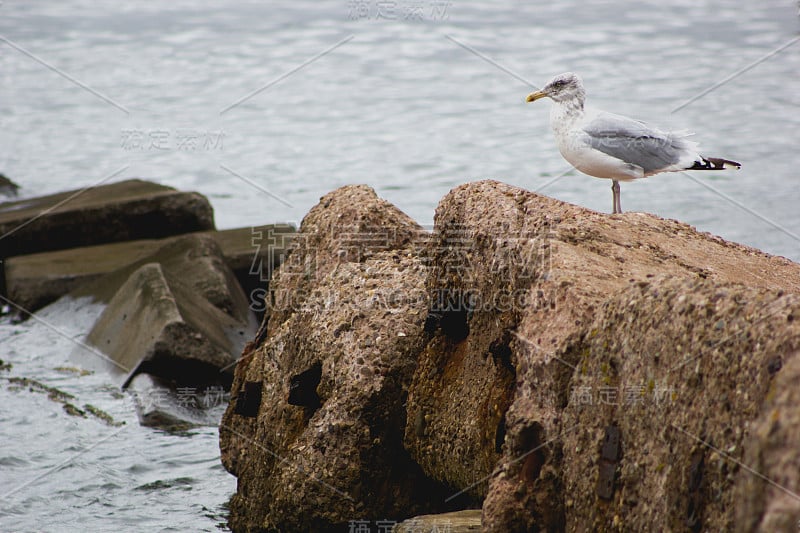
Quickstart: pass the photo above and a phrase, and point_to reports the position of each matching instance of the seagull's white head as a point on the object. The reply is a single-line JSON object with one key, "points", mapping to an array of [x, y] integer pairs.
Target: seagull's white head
{"points": [[562, 88]]}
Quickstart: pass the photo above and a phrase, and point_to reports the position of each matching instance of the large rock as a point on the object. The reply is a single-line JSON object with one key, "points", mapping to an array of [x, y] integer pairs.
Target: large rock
{"points": [[179, 314], [314, 429], [517, 280], [122, 211], [36, 280], [565, 369]]}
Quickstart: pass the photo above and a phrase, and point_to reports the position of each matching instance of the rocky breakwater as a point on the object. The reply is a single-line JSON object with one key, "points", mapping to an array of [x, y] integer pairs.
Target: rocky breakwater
{"points": [[559, 368], [176, 315]]}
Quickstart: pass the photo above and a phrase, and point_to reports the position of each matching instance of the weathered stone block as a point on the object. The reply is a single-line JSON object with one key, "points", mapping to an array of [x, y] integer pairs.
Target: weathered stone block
{"points": [[168, 331], [178, 314], [123, 211], [314, 428], [36, 280], [194, 262], [517, 280]]}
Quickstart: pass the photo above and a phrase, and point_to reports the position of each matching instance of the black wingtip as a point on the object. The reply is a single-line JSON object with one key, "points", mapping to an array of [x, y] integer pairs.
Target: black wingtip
{"points": [[714, 163]]}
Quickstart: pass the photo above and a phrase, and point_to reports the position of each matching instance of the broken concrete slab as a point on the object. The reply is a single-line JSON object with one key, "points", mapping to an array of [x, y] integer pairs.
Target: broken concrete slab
{"points": [[178, 313], [165, 329], [33, 281], [193, 261], [36, 280], [122, 211]]}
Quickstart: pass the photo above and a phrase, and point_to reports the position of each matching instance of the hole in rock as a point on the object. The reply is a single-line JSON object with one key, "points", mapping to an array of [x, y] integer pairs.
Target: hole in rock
{"points": [[531, 445], [249, 399], [303, 388], [454, 308], [500, 434]]}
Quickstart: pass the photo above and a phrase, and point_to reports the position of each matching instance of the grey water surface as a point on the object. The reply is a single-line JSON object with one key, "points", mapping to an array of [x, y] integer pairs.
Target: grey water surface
{"points": [[265, 106]]}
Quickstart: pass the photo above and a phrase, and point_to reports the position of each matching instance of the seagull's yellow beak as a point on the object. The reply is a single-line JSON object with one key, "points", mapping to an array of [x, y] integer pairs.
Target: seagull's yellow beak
{"points": [[535, 96]]}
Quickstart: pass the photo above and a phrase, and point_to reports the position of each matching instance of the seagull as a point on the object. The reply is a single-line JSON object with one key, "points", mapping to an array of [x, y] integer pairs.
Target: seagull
{"points": [[605, 145]]}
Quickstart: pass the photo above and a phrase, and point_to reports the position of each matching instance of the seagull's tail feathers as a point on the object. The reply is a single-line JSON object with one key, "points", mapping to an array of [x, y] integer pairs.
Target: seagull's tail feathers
{"points": [[714, 163]]}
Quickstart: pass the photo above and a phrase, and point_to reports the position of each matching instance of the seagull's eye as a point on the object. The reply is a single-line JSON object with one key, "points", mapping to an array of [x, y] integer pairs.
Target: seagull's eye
{"points": [[559, 84]]}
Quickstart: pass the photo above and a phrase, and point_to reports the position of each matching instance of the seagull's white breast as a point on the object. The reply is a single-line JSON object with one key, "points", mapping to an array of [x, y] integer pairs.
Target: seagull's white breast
{"points": [[567, 125]]}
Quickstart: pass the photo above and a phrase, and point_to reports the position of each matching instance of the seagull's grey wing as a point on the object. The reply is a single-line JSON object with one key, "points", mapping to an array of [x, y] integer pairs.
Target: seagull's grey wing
{"points": [[635, 142]]}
